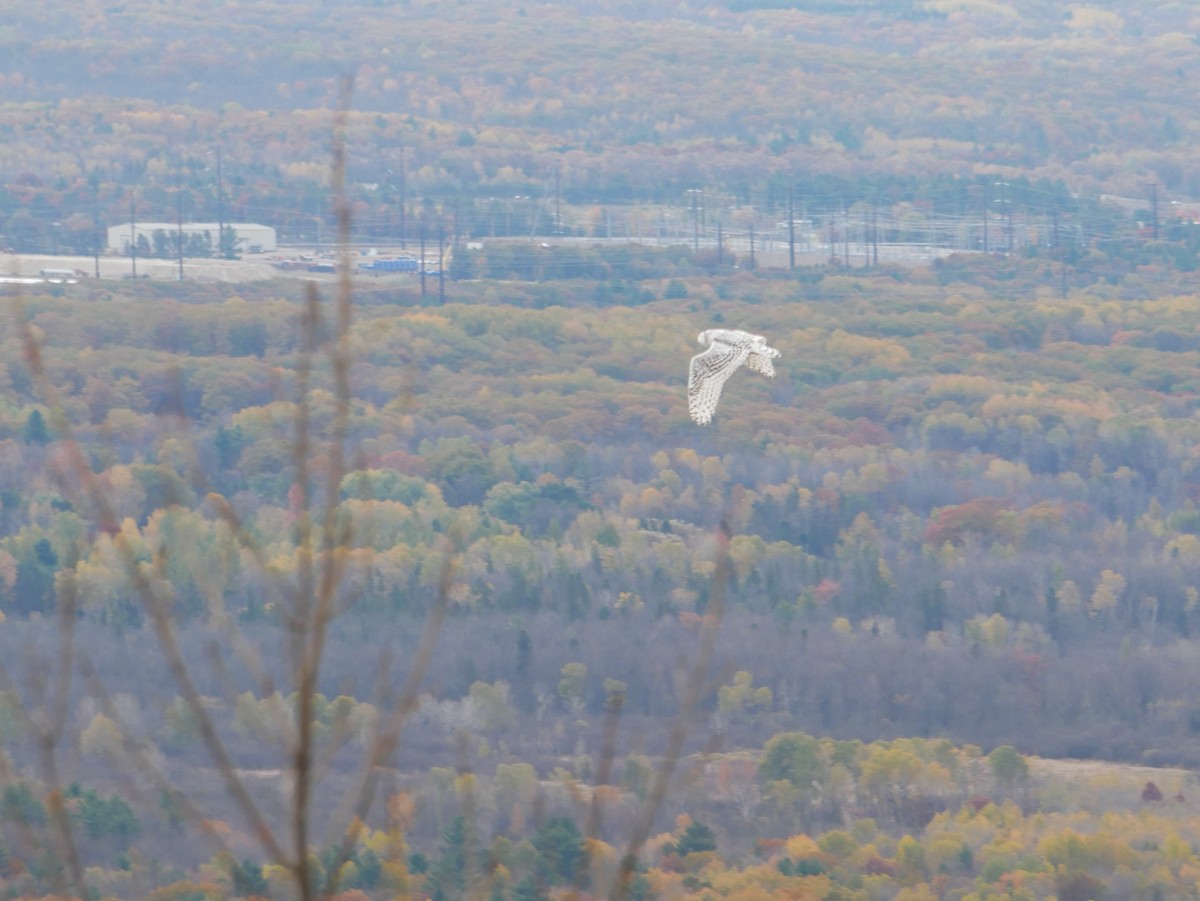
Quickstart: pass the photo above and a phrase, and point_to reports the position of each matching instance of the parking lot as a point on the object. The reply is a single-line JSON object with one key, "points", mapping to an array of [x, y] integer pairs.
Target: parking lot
{"points": [[34, 268]]}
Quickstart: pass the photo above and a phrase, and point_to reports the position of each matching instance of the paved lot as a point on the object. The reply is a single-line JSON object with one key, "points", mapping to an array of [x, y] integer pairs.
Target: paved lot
{"points": [[30, 268], [47, 268]]}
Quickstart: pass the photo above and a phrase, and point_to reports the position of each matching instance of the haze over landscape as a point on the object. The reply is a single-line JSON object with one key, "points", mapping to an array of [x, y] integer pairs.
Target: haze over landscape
{"points": [[355, 538]]}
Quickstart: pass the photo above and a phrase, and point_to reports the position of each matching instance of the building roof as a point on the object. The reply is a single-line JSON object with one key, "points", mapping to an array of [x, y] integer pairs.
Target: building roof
{"points": [[174, 226]]}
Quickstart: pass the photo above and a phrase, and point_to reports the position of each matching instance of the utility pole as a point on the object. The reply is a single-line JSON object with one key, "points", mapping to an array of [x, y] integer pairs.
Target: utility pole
{"points": [[791, 230], [179, 219], [220, 208], [866, 227], [845, 236], [987, 208], [441, 266], [695, 219], [95, 180], [874, 235], [1154, 210], [404, 202], [1007, 201], [422, 259], [1008, 208], [557, 199], [1062, 256], [133, 232]]}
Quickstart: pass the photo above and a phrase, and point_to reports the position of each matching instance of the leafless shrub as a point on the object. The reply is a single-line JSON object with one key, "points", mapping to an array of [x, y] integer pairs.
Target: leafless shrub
{"points": [[310, 602]]}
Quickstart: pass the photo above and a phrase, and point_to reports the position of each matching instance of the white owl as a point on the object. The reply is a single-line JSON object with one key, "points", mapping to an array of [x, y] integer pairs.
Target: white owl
{"points": [[727, 350]]}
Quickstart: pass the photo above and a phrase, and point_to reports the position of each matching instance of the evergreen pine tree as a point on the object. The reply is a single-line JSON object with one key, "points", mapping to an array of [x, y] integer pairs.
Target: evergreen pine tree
{"points": [[35, 431]]}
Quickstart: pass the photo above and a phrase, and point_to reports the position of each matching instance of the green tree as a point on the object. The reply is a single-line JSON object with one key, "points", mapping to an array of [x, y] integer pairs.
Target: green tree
{"points": [[35, 430], [18, 805], [25, 232], [229, 444], [383, 485], [696, 838], [162, 486], [228, 243], [676, 290], [248, 338], [1073, 885], [461, 468], [792, 756], [560, 848], [573, 685], [33, 588], [248, 879], [492, 704], [180, 726], [523, 689], [448, 874], [1008, 765], [12, 725], [370, 868], [171, 809], [741, 695], [529, 889], [103, 818]]}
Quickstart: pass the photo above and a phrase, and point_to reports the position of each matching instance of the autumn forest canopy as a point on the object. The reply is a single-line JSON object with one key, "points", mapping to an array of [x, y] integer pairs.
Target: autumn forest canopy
{"points": [[1020, 108], [952, 516], [426, 584]]}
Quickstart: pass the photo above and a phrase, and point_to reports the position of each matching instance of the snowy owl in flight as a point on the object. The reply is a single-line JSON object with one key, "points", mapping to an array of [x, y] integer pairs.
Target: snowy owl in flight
{"points": [[727, 350]]}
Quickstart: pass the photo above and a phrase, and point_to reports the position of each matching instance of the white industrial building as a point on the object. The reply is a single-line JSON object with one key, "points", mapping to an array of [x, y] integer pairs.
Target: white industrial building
{"points": [[249, 237]]}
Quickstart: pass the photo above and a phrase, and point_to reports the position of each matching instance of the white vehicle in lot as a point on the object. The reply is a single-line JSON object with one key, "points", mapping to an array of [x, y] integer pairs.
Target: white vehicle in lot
{"points": [[61, 276]]}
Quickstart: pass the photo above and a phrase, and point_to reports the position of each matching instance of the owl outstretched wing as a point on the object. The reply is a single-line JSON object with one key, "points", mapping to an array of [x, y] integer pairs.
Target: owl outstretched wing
{"points": [[707, 375], [760, 362]]}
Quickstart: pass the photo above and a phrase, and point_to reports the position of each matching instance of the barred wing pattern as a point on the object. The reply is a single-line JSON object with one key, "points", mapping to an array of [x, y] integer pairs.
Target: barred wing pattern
{"points": [[727, 350], [708, 374], [761, 362]]}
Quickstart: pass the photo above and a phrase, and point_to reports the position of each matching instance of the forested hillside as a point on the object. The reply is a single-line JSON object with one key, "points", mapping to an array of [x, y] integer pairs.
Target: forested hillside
{"points": [[426, 585], [951, 516], [1002, 490], [519, 118]]}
